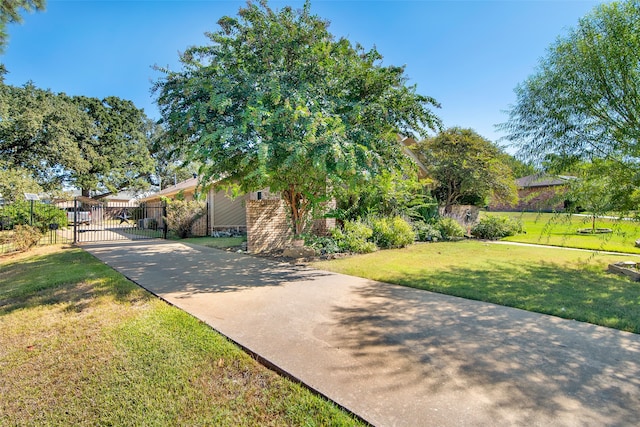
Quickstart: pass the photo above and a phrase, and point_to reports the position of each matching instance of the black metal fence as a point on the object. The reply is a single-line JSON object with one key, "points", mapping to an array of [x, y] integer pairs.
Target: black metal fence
{"points": [[46, 218], [93, 221], [82, 220]]}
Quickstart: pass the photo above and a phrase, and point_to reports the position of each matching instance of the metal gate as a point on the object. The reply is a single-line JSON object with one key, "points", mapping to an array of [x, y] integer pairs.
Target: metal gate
{"points": [[92, 221]]}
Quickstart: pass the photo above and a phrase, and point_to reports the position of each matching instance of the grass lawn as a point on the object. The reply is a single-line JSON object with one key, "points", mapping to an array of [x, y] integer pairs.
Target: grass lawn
{"points": [[561, 230], [81, 345], [565, 283]]}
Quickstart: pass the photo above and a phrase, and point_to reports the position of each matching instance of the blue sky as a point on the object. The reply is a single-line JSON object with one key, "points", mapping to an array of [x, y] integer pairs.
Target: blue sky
{"points": [[469, 55]]}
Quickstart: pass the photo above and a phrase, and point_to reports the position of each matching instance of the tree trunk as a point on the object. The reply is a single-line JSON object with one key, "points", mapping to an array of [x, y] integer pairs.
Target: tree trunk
{"points": [[297, 208]]}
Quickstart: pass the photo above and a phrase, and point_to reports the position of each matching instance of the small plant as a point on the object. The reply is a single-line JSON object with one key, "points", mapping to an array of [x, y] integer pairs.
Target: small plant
{"points": [[449, 228], [392, 232], [354, 237], [496, 227], [25, 237], [322, 244], [426, 232]]}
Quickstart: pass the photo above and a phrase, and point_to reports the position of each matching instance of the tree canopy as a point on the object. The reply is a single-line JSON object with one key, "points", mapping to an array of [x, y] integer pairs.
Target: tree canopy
{"points": [[40, 132], [466, 168], [275, 101], [117, 149], [86, 142], [583, 101]]}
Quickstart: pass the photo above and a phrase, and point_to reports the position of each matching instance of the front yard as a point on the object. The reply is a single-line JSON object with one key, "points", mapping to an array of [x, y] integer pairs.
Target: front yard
{"points": [[565, 283], [561, 230], [82, 345]]}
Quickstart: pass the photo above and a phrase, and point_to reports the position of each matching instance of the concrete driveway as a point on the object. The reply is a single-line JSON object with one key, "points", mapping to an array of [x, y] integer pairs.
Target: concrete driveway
{"points": [[397, 356]]}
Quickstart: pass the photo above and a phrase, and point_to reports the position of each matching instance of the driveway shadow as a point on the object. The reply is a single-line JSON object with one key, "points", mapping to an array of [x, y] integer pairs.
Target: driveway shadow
{"points": [[168, 267], [535, 367]]}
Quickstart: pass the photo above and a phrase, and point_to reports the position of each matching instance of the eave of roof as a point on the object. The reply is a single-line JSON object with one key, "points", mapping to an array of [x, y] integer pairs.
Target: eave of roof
{"points": [[538, 180], [186, 185]]}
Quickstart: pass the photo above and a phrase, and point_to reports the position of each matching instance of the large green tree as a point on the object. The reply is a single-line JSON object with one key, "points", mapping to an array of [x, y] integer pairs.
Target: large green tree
{"points": [[466, 168], [10, 11], [118, 148], [583, 101], [40, 132], [98, 145], [275, 101], [14, 182]]}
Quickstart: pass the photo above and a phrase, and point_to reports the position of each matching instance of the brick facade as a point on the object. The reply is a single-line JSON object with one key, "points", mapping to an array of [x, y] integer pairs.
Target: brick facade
{"points": [[267, 225]]}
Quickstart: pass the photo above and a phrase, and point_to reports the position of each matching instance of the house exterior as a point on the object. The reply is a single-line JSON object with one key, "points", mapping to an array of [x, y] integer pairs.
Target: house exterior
{"points": [[223, 212], [539, 192], [261, 214]]}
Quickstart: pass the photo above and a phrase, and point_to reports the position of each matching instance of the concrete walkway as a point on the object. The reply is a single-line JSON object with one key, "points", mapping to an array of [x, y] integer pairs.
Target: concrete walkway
{"points": [[393, 355]]}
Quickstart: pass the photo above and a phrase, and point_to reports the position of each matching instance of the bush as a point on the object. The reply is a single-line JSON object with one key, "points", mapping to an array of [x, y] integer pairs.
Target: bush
{"points": [[391, 232], [182, 214], [449, 228], [25, 237], [426, 232], [354, 237], [496, 227], [19, 213]]}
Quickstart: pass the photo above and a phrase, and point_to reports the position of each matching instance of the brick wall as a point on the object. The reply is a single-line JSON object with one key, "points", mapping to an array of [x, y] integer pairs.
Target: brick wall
{"points": [[267, 225], [323, 226]]}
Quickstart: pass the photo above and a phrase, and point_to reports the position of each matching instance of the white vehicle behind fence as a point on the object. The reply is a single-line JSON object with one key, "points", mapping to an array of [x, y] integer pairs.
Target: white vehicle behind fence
{"points": [[79, 216]]}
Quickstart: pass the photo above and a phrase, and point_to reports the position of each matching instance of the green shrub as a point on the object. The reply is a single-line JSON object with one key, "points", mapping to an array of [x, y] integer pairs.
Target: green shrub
{"points": [[25, 237], [354, 237], [20, 213], [426, 232], [496, 227], [449, 228], [391, 232]]}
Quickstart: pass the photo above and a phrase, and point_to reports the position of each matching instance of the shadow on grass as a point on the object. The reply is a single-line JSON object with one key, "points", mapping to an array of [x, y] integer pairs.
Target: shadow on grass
{"points": [[167, 267], [579, 292], [70, 277], [540, 369]]}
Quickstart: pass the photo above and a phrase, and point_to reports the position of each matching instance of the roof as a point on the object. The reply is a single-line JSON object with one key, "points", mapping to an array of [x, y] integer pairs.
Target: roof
{"points": [[186, 185], [539, 180]]}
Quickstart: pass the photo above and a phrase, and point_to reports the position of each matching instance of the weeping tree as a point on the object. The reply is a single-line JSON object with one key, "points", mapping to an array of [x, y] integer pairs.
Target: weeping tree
{"points": [[583, 101], [276, 101]]}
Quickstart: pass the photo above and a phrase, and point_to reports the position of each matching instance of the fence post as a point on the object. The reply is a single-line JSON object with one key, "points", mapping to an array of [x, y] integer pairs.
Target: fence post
{"points": [[208, 231], [165, 226], [75, 221]]}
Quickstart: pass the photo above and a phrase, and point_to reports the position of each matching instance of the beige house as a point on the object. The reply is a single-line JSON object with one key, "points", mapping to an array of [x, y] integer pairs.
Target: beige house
{"points": [[224, 213]]}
